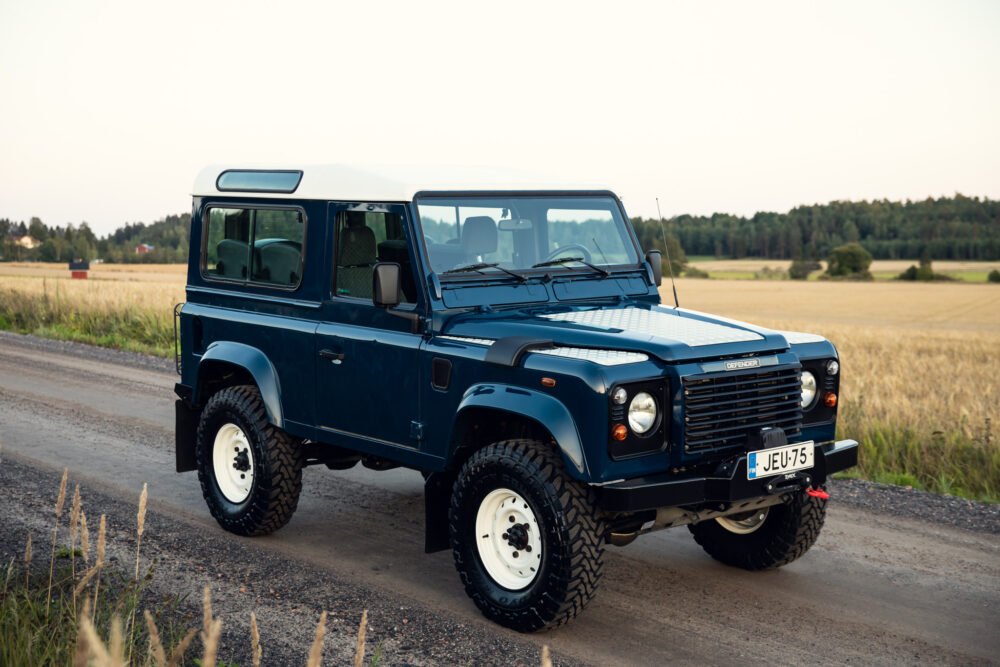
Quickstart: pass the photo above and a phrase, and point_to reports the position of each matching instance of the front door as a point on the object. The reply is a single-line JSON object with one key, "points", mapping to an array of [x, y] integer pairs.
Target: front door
{"points": [[368, 367]]}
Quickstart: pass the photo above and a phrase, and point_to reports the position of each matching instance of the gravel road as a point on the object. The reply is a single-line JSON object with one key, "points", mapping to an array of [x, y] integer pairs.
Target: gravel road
{"points": [[897, 577]]}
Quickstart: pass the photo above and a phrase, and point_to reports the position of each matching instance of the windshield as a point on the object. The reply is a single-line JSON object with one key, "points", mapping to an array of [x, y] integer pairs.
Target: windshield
{"points": [[520, 232]]}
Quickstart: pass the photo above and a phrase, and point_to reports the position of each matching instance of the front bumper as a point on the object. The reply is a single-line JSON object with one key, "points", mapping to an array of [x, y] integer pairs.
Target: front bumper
{"points": [[729, 482]]}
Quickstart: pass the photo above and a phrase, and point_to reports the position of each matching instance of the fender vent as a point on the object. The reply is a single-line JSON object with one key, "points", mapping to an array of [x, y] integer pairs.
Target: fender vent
{"points": [[722, 409], [440, 373]]}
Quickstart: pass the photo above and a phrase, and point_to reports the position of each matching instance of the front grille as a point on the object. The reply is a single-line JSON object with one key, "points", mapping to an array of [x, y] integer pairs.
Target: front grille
{"points": [[722, 409]]}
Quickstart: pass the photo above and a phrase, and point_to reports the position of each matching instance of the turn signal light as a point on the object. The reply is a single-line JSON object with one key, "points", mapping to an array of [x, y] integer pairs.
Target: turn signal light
{"points": [[619, 432], [830, 399]]}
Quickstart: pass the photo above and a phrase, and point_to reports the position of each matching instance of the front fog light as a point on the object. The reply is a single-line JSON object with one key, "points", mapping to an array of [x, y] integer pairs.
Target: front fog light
{"points": [[808, 388], [642, 413], [832, 367]]}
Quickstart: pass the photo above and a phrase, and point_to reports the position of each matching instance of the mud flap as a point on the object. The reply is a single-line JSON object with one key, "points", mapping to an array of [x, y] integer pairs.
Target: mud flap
{"points": [[186, 431], [437, 498]]}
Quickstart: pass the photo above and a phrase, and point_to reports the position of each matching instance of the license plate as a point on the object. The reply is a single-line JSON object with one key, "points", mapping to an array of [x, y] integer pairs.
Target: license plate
{"points": [[770, 462]]}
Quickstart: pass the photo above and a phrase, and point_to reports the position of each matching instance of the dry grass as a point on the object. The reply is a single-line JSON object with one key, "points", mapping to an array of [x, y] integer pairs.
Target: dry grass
{"points": [[165, 273], [132, 315], [878, 265], [106, 295], [882, 269]]}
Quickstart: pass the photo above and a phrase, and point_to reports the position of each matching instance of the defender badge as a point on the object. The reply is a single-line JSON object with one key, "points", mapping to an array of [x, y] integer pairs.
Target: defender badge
{"points": [[742, 363]]}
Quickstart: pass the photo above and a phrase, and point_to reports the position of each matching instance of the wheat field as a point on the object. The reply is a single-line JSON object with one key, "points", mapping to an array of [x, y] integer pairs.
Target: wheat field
{"points": [[881, 269], [920, 361]]}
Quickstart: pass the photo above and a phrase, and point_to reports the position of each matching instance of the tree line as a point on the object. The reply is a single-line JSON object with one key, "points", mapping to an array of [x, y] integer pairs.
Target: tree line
{"points": [[956, 228], [163, 242]]}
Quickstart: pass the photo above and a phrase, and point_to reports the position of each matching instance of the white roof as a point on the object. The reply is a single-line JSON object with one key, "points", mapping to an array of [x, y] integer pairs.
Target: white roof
{"points": [[393, 183]]}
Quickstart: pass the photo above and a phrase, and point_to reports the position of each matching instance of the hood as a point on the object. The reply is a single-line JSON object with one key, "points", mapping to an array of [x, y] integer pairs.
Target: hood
{"points": [[667, 333]]}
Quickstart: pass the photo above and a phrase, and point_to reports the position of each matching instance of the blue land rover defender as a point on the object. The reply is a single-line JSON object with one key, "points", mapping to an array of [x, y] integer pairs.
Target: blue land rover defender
{"points": [[509, 344]]}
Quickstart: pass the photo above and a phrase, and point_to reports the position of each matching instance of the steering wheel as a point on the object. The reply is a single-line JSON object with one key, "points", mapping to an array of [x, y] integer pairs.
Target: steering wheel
{"points": [[572, 246]]}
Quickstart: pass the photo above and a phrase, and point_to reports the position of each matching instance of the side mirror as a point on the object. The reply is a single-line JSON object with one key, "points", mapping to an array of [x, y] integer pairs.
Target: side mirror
{"points": [[385, 284], [655, 260]]}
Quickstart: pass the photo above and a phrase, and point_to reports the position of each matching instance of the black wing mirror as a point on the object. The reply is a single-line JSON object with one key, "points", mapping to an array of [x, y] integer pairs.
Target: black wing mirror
{"points": [[385, 284], [655, 260], [386, 293]]}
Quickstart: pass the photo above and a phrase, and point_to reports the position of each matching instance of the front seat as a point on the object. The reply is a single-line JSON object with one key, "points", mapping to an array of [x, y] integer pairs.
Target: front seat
{"points": [[356, 257], [479, 237]]}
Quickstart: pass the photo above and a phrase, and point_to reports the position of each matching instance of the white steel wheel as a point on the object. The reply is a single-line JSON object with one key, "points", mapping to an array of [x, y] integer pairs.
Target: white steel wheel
{"points": [[509, 542], [745, 522], [232, 463]]}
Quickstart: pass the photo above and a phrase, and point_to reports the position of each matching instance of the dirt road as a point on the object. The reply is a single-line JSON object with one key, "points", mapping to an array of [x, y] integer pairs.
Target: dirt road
{"points": [[877, 587]]}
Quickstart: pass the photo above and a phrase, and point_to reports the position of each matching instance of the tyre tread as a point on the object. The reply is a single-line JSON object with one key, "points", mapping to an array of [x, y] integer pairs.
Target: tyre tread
{"points": [[800, 522], [274, 507], [584, 528]]}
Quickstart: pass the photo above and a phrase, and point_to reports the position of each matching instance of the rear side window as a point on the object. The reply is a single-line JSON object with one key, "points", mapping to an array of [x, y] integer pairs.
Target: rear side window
{"points": [[256, 245]]}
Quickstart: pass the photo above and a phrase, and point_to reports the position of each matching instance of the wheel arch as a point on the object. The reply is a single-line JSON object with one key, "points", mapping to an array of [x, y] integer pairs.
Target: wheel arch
{"points": [[489, 413], [226, 364], [512, 411]]}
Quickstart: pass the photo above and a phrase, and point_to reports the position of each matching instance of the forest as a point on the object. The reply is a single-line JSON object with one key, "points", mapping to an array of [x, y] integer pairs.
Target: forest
{"points": [[164, 241], [948, 228]]}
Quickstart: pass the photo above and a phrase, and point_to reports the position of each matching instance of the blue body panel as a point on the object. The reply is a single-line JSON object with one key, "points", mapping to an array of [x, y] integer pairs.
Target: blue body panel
{"points": [[377, 396]]}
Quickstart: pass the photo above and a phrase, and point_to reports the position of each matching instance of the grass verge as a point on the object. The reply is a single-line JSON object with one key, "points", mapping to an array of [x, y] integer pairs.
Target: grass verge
{"points": [[107, 314], [950, 463]]}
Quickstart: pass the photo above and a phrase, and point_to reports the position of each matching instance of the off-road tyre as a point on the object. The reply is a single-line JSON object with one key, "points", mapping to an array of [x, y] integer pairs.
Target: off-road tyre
{"points": [[277, 482], [790, 529], [571, 530]]}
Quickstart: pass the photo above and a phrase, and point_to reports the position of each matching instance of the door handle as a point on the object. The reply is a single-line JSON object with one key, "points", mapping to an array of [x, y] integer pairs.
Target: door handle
{"points": [[335, 357]]}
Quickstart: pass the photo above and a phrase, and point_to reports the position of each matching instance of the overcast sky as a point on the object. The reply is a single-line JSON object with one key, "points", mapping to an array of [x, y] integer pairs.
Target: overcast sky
{"points": [[108, 109]]}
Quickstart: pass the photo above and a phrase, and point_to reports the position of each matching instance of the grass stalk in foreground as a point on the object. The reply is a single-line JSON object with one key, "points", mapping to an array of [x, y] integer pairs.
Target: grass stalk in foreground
{"points": [[62, 618]]}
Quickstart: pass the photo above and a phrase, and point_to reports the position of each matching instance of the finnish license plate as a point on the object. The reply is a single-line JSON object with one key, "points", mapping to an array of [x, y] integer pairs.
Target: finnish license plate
{"points": [[770, 462]]}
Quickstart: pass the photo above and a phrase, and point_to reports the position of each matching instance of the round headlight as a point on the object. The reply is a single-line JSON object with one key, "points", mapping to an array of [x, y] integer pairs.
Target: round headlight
{"points": [[642, 413], [619, 396], [832, 367], [808, 389]]}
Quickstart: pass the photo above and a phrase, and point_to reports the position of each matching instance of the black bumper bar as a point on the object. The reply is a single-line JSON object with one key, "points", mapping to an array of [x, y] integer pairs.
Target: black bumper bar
{"points": [[729, 484]]}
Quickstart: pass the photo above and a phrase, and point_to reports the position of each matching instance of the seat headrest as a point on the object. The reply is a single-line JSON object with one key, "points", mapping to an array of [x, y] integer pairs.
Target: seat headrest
{"points": [[355, 218], [357, 246], [479, 235]]}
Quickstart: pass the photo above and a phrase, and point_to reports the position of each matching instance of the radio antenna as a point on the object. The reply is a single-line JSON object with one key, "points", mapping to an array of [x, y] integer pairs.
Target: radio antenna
{"points": [[666, 250]]}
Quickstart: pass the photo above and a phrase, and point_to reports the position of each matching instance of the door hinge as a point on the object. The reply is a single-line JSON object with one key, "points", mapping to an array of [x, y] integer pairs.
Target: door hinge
{"points": [[416, 430]]}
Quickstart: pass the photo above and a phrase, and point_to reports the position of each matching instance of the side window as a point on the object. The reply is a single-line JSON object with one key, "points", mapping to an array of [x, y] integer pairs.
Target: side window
{"points": [[363, 238], [277, 256], [255, 245], [227, 243]]}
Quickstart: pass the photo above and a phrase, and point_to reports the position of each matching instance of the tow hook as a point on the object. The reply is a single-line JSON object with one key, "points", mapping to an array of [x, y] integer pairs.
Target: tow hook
{"points": [[817, 493]]}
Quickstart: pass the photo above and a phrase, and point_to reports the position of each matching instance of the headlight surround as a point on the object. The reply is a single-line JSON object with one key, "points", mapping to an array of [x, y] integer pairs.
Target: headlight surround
{"points": [[809, 389], [642, 412]]}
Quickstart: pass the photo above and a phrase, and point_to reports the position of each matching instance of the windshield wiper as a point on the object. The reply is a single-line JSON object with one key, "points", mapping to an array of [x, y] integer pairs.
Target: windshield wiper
{"points": [[478, 268], [565, 260]]}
